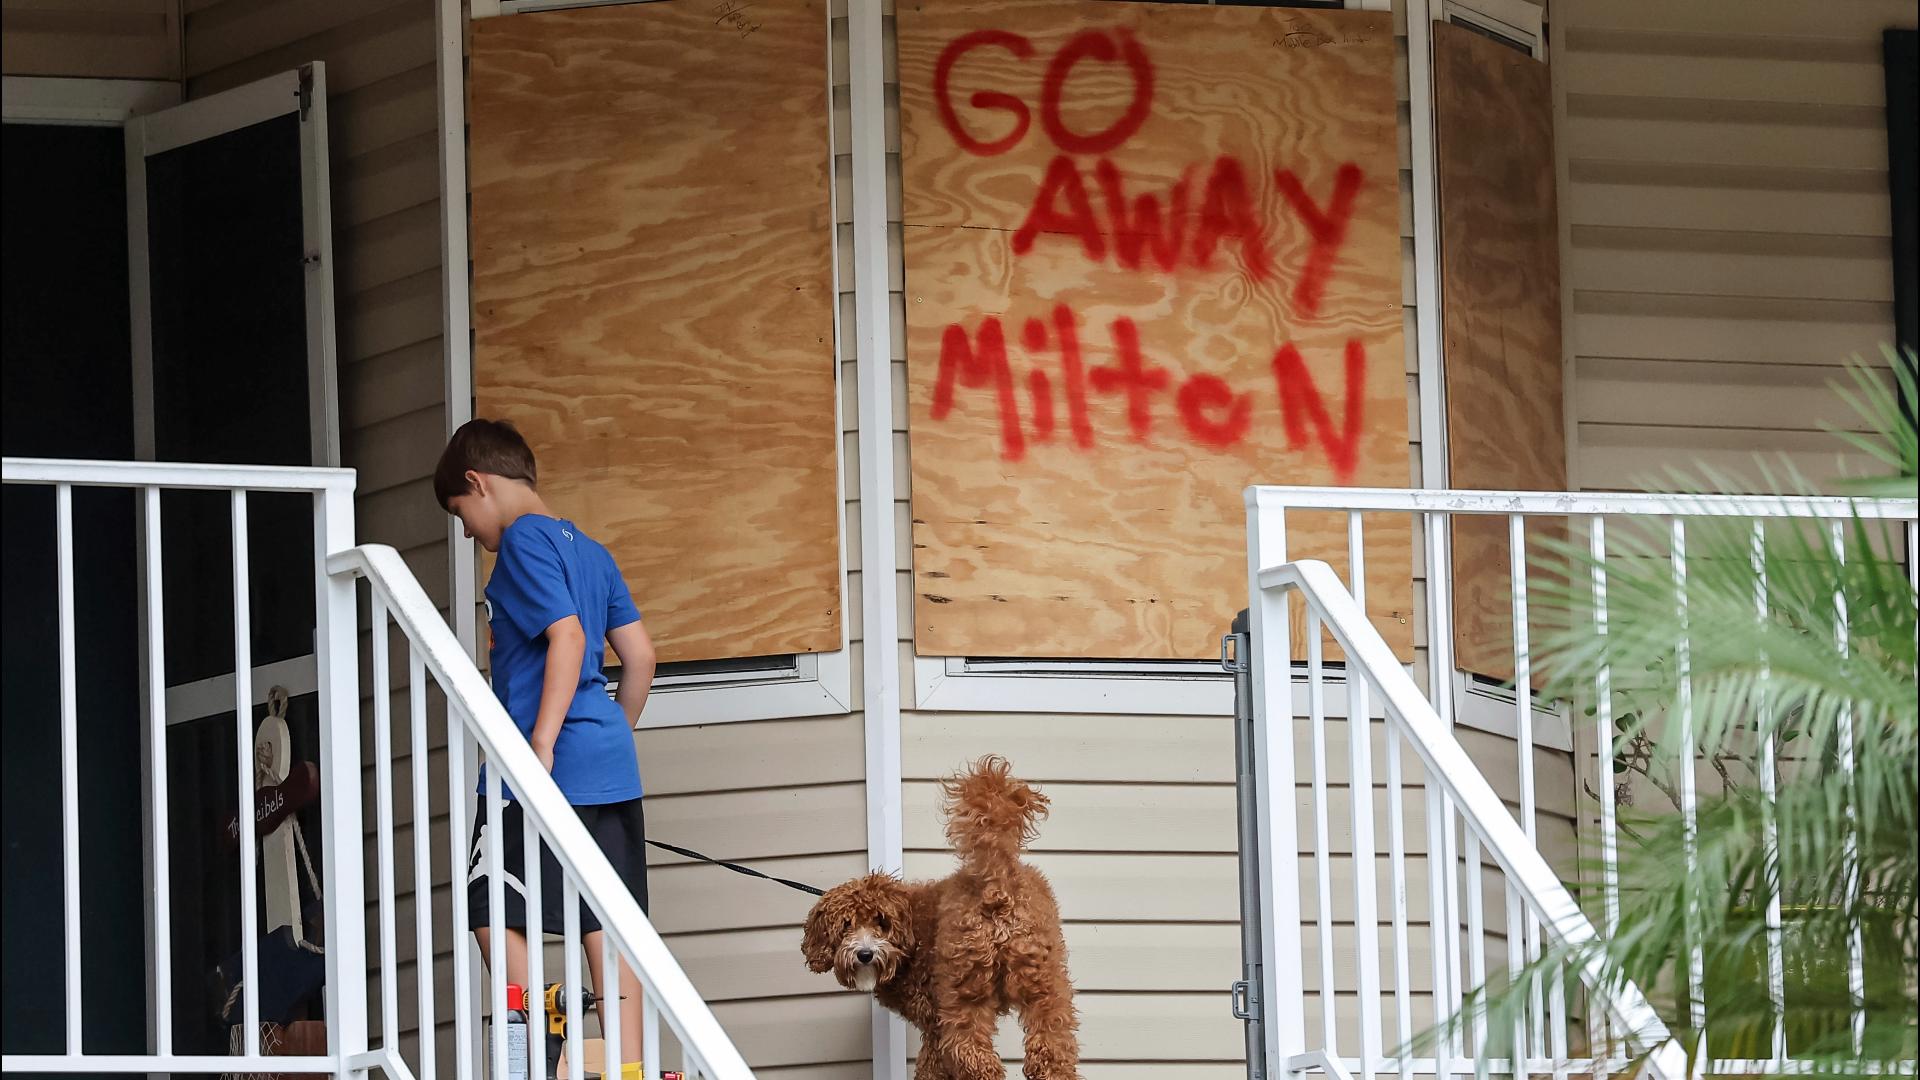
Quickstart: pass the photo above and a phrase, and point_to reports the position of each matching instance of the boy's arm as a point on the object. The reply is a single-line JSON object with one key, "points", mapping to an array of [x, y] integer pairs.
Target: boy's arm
{"points": [[566, 650], [634, 647]]}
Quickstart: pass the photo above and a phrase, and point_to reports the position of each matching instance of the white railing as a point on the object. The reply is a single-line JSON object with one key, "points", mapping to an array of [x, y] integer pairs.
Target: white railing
{"points": [[1466, 822], [704, 1049], [471, 723], [331, 491]]}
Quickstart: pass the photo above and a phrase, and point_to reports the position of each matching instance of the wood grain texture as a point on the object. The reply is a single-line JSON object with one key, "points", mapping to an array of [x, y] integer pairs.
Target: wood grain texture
{"points": [[1112, 531], [652, 302], [1500, 275]]}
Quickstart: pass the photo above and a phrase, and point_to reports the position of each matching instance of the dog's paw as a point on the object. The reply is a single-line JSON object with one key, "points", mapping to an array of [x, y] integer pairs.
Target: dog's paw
{"points": [[975, 1063], [1044, 1063]]}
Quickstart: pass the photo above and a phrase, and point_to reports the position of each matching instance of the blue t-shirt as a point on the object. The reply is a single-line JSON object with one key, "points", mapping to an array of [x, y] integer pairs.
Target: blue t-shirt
{"points": [[547, 570]]}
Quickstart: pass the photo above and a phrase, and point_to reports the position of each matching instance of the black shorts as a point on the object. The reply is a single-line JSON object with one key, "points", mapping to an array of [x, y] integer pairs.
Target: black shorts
{"points": [[619, 828]]}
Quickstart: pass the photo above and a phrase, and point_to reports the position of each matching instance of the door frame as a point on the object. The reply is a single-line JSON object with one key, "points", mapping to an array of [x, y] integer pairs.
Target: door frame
{"points": [[38, 100]]}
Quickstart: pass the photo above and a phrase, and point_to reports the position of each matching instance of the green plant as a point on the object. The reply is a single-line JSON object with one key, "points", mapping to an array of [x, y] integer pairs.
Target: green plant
{"points": [[1839, 843]]}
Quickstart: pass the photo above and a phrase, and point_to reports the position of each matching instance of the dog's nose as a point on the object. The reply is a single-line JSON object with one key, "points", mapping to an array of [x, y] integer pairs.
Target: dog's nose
{"points": [[865, 955]]}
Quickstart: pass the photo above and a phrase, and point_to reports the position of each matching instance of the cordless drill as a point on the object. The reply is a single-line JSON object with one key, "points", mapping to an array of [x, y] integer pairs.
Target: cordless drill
{"points": [[556, 1005]]}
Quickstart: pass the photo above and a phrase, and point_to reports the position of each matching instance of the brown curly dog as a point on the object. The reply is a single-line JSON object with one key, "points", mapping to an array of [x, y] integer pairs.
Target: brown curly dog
{"points": [[951, 956]]}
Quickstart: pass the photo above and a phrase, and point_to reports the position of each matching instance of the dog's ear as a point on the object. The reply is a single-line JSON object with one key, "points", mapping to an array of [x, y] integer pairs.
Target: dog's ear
{"points": [[819, 940], [898, 907], [1036, 805]]}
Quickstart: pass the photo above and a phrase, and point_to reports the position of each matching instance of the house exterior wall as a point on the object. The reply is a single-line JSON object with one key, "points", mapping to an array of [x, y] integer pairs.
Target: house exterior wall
{"points": [[1725, 208], [1728, 232], [91, 39]]}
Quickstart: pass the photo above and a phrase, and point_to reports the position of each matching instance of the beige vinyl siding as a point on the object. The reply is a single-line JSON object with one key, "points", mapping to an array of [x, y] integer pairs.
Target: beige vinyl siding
{"points": [[91, 39], [1728, 227], [788, 797], [1727, 247]]}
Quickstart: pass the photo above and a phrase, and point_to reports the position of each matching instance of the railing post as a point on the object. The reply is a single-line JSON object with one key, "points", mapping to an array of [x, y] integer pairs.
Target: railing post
{"points": [[1271, 657], [336, 660]]}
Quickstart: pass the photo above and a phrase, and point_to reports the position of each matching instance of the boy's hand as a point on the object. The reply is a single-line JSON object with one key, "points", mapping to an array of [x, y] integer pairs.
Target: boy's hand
{"points": [[545, 753]]}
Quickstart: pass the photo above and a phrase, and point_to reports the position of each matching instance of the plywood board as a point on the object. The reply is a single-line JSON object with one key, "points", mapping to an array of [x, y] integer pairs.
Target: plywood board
{"points": [[1152, 257], [652, 295], [1500, 277]]}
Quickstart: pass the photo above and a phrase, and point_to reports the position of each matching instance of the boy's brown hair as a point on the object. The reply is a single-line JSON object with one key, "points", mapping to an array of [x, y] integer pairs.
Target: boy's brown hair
{"points": [[483, 446]]}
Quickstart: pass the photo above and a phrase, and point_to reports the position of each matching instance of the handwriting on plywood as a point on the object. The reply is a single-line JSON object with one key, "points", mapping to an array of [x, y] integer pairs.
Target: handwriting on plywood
{"points": [[1062, 208], [736, 15], [1210, 412], [1061, 204], [1151, 232], [1314, 39]]}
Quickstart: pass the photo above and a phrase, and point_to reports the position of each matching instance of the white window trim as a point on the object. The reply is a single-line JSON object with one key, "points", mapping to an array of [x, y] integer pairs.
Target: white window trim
{"points": [[82, 102], [819, 685], [957, 684], [1489, 708], [962, 684], [1519, 20]]}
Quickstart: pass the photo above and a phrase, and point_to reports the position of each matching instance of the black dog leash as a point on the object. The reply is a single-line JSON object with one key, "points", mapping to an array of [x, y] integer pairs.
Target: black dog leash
{"points": [[737, 868]]}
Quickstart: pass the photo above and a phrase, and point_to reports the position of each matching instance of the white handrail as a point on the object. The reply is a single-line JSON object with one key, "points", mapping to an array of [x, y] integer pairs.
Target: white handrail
{"points": [[175, 475], [512, 757]]}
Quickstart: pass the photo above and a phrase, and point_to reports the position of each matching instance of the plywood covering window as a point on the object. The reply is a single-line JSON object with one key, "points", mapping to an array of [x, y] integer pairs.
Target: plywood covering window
{"points": [[653, 302], [1500, 280], [1152, 257]]}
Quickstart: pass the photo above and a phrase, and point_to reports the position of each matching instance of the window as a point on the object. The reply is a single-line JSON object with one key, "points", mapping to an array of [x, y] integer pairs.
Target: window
{"points": [[1028, 478], [688, 310]]}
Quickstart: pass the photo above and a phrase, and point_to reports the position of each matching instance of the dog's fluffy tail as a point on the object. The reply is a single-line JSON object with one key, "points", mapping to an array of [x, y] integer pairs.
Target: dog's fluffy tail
{"points": [[991, 815]]}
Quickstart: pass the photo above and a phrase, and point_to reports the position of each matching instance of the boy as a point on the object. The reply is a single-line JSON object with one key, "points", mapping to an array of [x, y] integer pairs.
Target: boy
{"points": [[554, 600]]}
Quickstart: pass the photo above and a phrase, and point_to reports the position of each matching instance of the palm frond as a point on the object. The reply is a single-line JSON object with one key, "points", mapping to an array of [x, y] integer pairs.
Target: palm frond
{"points": [[1893, 441], [1766, 641]]}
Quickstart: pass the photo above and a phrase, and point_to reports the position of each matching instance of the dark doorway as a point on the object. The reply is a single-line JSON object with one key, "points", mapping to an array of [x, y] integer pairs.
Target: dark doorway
{"points": [[68, 393], [227, 295]]}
